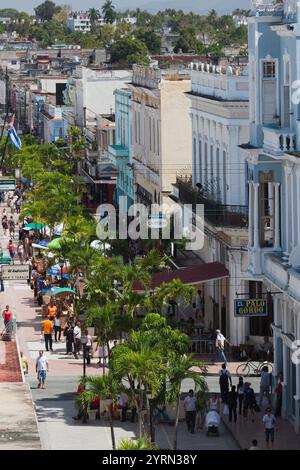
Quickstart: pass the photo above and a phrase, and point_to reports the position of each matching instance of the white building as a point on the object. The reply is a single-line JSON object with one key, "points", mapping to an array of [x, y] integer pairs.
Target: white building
{"points": [[274, 185], [161, 130], [79, 21], [220, 121], [91, 92]]}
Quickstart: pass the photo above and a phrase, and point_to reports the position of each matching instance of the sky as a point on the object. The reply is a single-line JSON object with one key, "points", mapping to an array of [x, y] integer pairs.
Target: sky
{"points": [[199, 6]]}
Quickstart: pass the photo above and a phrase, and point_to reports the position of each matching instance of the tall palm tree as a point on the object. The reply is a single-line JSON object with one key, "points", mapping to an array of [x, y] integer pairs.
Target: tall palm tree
{"points": [[94, 16], [139, 364], [105, 388], [109, 12], [180, 368]]}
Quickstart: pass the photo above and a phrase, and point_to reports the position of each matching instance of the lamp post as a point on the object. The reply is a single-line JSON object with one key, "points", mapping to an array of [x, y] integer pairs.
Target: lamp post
{"points": [[84, 340], [61, 265], [152, 429]]}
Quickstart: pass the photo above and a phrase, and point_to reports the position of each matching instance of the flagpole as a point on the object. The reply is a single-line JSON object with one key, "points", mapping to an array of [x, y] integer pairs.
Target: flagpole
{"points": [[4, 124], [4, 151]]}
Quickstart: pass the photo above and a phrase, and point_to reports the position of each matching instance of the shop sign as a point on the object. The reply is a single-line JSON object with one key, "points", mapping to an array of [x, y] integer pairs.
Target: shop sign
{"points": [[15, 272], [250, 308]]}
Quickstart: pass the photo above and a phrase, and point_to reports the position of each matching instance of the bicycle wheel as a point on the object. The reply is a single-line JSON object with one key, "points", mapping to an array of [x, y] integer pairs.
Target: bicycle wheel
{"points": [[269, 365], [243, 370]]}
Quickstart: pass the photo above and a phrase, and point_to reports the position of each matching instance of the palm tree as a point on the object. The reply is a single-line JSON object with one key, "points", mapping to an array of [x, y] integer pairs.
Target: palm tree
{"points": [[105, 388], [180, 368], [143, 443], [141, 364], [94, 16], [109, 12]]}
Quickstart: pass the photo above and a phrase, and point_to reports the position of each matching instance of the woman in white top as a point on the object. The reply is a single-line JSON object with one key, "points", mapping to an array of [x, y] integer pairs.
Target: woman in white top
{"points": [[214, 404], [57, 328]]}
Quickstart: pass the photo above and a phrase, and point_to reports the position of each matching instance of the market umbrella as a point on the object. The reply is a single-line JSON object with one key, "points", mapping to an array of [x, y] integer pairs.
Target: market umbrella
{"points": [[33, 226], [56, 243], [42, 245], [62, 290]]}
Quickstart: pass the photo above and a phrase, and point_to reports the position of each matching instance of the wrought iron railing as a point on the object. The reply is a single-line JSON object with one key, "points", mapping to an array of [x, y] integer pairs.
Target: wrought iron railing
{"points": [[214, 212]]}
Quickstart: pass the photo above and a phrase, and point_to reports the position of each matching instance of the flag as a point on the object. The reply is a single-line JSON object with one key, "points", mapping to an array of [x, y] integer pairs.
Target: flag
{"points": [[12, 134]]}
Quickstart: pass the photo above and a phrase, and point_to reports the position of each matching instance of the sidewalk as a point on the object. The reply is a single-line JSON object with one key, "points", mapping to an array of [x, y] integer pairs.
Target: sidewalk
{"points": [[245, 430]]}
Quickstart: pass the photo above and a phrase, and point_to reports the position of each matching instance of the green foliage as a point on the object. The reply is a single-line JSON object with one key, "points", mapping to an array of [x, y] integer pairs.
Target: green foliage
{"points": [[150, 38], [46, 10], [143, 443], [128, 51], [109, 12]]}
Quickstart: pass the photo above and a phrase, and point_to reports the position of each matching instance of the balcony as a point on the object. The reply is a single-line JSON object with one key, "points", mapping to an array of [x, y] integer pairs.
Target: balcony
{"points": [[215, 213], [277, 141], [118, 154], [266, 8]]}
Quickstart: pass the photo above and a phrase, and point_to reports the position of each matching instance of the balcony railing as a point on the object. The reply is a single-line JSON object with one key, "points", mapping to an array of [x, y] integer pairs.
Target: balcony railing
{"points": [[278, 140], [215, 213]]}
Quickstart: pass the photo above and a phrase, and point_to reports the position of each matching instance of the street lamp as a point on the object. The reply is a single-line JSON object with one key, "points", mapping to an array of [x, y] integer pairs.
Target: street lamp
{"points": [[84, 340], [152, 430], [61, 265]]}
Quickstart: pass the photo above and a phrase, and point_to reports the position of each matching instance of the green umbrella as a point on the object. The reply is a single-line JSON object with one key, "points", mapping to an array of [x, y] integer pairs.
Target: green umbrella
{"points": [[34, 226], [56, 244], [61, 290]]}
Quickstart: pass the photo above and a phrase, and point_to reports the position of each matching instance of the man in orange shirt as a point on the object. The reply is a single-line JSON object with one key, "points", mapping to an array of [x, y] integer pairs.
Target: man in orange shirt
{"points": [[52, 310], [47, 328]]}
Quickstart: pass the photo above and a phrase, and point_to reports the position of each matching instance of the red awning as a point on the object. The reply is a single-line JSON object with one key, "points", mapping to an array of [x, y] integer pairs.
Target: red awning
{"points": [[191, 275]]}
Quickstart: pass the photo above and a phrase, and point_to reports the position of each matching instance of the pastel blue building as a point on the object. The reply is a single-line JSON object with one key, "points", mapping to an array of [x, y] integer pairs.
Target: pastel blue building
{"points": [[120, 153], [274, 186]]}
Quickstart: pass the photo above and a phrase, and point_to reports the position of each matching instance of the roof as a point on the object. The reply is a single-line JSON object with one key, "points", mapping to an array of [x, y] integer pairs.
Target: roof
{"points": [[191, 275]]}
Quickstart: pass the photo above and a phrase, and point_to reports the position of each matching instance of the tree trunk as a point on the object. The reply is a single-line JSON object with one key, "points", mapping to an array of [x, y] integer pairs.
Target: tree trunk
{"points": [[176, 421], [112, 431], [138, 405]]}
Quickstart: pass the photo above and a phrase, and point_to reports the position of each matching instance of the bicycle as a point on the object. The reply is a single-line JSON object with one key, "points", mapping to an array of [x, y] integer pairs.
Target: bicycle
{"points": [[249, 366]]}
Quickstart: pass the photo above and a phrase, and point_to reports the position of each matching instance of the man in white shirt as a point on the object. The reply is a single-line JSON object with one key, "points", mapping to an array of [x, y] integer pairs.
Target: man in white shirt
{"points": [[220, 346], [190, 403], [77, 339], [269, 422], [41, 367]]}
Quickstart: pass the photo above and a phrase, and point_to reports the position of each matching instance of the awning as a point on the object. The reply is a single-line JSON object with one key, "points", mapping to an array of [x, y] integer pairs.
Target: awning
{"points": [[191, 276]]}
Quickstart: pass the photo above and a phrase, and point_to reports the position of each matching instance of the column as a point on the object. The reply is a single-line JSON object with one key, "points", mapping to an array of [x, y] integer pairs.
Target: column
{"points": [[293, 211], [250, 212], [271, 207], [256, 215], [297, 223], [277, 217], [286, 210]]}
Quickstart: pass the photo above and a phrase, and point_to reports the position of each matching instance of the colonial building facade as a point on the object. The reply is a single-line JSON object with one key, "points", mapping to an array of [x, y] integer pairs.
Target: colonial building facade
{"points": [[274, 182]]}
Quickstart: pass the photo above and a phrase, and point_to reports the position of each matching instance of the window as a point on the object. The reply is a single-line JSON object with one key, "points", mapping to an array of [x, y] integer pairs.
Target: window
{"points": [[205, 163], [218, 174], [224, 177], [200, 177], [269, 69], [212, 189], [267, 209]]}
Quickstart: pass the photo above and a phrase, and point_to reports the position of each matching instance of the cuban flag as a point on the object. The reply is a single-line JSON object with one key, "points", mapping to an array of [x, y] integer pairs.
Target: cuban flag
{"points": [[13, 136]]}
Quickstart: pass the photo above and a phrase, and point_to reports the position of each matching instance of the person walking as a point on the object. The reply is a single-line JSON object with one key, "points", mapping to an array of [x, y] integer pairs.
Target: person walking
{"points": [[1, 282], [240, 392], [269, 422], [201, 410], [278, 393], [7, 317], [190, 406], [47, 329], [249, 400], [11, 226], [224, 380], [4, 224], [220, 347], [57, 328], [88, 347], [41, 367], [69, 335], [265, 379], [1, 251], [24, 363], [20, 251], [77, 339], [232, 398], [12, 251]]}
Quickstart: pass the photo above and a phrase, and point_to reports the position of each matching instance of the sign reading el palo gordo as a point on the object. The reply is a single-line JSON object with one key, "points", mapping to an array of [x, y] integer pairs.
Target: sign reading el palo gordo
{"points": [[250, 308]]}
